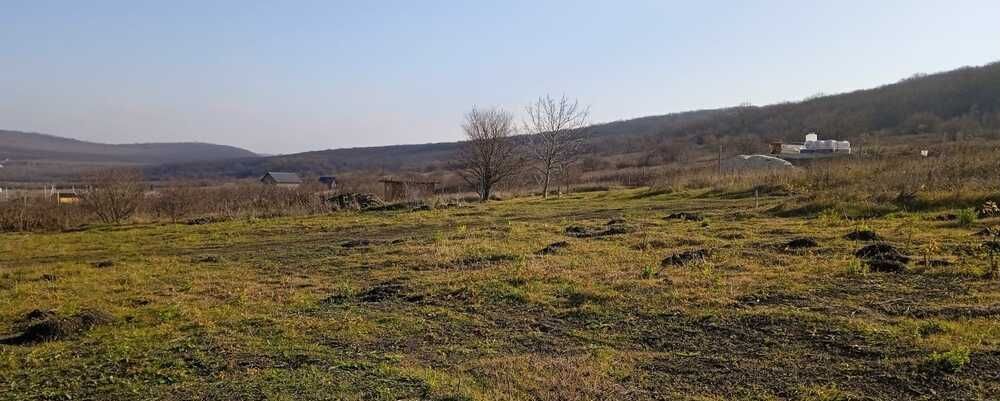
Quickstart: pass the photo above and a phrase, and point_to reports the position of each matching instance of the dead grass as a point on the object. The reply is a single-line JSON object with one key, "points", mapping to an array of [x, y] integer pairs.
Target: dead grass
{"points": [[457, 303]]}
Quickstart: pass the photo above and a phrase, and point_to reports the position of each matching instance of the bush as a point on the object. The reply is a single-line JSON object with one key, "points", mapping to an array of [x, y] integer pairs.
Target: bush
{"points": [[948, 361]]}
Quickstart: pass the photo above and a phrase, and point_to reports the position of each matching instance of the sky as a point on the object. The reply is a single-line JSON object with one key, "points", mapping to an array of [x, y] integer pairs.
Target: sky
{"points": [[283, 77]]}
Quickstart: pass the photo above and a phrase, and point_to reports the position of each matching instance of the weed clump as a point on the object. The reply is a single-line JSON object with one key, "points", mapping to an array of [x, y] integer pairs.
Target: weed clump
{"points": [[948, 361], [42, 326], [966, 217]]}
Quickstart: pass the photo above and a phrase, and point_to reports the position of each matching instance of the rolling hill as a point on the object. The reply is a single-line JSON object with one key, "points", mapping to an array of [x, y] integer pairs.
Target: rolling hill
{"points": [[952, 104], [33, 156]]}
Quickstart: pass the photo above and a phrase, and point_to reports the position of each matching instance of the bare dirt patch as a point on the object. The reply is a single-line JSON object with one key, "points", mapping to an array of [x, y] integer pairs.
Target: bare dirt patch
{"points": [[800, 243], [614, 227]]}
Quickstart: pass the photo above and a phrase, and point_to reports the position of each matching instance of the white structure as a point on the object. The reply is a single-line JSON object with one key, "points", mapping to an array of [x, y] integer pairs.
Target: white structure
{"points": [[814, 145]]}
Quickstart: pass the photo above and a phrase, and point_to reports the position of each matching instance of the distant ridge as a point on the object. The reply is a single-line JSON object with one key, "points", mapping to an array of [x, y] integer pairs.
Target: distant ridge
{"points": [[42, 156]]}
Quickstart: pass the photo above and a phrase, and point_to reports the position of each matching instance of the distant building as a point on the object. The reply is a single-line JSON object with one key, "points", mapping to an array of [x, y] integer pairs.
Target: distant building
{"points": [[329, 181], [280, 179], [67, 198], [812, 147]]}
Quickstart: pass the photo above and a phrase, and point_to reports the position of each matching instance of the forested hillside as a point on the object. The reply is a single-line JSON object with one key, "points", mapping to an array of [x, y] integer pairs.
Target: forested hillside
{"points": [[955, 104]]}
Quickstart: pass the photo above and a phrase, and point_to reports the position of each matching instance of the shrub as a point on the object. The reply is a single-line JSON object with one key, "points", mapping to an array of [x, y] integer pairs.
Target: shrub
{"points": [[948, 361], [115, 194]]}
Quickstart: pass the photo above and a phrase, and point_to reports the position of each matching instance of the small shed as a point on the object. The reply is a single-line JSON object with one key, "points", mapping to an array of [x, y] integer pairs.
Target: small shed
{"points": [[328, 181], [67, 198], [281, 179], [397, 189]]}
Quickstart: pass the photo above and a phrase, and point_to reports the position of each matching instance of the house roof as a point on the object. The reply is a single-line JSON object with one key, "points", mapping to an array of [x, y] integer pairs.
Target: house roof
{"points": [[284, 178]]}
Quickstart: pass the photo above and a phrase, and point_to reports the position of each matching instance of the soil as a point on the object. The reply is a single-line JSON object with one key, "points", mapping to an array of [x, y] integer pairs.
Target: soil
{"points": [[42, 326], [482, 261], [862, 235], [883, 257], [683, 258], [553, 248], [591, 232], [800, 243], [687, 216], [387, 291]]}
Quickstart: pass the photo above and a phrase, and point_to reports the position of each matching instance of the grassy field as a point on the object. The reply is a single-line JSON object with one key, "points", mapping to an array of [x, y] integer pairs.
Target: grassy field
{"points": [[461, 304]]}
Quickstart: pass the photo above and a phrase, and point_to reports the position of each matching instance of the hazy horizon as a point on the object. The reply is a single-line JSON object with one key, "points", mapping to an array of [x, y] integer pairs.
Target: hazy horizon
{"points": [[289, 78]]}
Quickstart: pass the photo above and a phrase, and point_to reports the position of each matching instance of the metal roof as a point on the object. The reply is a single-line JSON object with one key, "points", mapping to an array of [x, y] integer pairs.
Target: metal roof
{"points": [[284, 178]]}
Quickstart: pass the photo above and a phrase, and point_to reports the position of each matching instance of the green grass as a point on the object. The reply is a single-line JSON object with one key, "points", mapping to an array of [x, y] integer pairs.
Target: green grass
{"points": [[465, 308]]}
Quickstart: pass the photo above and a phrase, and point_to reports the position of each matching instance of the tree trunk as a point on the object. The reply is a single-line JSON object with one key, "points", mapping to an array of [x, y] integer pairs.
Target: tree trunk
{"points": [[545, 185]]}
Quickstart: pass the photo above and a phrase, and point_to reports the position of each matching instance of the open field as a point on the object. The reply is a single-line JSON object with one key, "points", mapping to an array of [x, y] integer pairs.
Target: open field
{"points": [[461, 304]]}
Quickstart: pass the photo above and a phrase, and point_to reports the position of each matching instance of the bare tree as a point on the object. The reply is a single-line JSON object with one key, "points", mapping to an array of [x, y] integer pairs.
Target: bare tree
{"points": [[114, 195], [556, 136], [175, 201], [490, 155]]}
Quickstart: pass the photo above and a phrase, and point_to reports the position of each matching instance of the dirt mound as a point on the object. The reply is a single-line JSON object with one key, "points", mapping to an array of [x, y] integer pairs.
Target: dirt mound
{"points": [[356, 201], [614, 227], [685, 216], [387, 291], [883, 257], [553, 248], [683, 258], [862, 235], [800, 243], [40, 326]]}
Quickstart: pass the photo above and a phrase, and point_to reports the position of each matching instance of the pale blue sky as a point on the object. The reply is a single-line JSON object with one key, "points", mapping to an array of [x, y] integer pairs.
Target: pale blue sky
{"points": [[281, 77]]}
